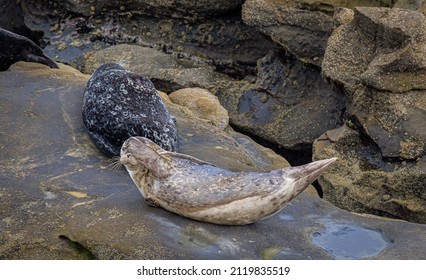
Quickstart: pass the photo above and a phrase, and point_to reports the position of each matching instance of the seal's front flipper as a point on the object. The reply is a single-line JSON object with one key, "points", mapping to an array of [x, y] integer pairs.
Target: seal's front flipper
{"points": [[152, 202]]}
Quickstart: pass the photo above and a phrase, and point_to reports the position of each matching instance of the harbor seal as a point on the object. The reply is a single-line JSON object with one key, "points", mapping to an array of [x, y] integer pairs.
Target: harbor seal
{"points": [[14, 48], [118, 104], [201, 191]]}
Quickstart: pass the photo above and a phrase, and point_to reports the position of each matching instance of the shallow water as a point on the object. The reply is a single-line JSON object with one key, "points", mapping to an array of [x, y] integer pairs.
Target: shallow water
{"points": [[348, 241]]}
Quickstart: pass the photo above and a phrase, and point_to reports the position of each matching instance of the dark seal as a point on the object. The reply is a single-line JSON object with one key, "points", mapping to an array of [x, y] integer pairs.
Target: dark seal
{"points": [[14, 47], [118, 104]]}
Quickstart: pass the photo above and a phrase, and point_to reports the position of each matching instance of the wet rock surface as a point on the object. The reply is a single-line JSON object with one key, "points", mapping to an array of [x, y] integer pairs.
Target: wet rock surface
{"points": [[59, 200], [157, 7], [222, 40]]}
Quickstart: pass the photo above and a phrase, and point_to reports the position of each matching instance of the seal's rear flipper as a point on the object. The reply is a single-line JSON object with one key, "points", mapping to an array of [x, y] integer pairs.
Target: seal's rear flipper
{"points": [[43, 59], [14, 48], [307, 174]]}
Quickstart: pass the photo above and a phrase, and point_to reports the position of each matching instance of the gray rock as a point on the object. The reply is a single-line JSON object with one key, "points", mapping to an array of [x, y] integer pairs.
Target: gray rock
{"points": [[415, 5], [224, 41], [362, 181], [206, 34], [379, 59], [301, 32], [392, 121], [291, 104], [12, 18], [392, 41], [59, 200], [165, 71], [301, 27]]}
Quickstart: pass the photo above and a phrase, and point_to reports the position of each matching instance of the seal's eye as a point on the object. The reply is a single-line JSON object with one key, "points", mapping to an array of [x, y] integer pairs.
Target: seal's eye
{"points": [[128, 159]]}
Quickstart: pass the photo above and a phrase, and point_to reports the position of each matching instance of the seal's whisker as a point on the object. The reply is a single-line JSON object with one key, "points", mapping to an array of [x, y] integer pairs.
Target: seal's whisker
{"points": [[113, 159], [115, 164]]}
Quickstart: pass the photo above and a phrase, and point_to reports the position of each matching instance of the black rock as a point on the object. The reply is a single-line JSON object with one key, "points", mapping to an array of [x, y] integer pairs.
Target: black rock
{"points": [[118, 104]]}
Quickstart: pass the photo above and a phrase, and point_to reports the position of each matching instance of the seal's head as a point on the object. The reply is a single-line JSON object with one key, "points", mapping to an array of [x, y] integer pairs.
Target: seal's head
{"points": [[140, 153]]}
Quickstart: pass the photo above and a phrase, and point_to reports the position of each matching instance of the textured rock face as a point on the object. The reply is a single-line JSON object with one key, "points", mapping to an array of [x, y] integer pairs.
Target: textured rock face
{"points": [[166, 72], [391, 41], [301, 27], [204, 104], [59, 199], [303, 33], [118, 104], [379, 58], [152, 7], [291, 104], [417, 5], [392, 121], [362, 181]]}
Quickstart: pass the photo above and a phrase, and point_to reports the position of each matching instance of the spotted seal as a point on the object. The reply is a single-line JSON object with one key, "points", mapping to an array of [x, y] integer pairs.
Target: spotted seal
{"points": [[14, 47], [199, 190], [118, 104]]}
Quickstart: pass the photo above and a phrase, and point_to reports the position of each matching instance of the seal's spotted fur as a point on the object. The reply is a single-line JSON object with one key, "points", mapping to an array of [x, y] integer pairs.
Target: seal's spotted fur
{"points": [[118, 104], [201, 191]]}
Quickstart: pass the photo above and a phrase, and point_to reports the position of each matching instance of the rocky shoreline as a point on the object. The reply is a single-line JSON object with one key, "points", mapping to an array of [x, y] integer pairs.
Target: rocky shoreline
{"points": [[308, 80]]}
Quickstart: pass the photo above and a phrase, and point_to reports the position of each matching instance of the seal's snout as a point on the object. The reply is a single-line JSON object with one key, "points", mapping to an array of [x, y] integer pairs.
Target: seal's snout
{"points": [[124, 158], [128, 160]]}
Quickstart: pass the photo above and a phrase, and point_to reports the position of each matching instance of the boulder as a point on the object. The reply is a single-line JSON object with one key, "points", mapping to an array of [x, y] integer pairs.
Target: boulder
{"points": [[202, 103], [362, 181], [418, 5], [60, 200], [379, 59], [301, 27], [301, 32], [392, 43], [290, 105], [12, 19]]}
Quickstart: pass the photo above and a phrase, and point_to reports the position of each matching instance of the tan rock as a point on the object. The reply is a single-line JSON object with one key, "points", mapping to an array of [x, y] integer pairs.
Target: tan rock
{"points": [[379, 59], [203, 104], [362, 181]]}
